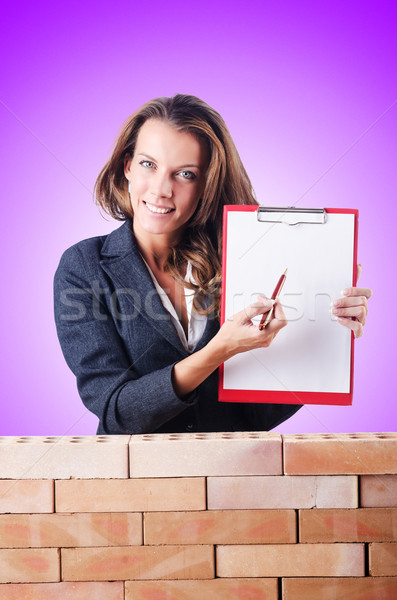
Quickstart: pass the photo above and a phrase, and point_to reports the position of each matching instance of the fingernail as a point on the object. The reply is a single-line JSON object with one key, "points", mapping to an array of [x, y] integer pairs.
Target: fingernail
{"points": [[345, 292]]}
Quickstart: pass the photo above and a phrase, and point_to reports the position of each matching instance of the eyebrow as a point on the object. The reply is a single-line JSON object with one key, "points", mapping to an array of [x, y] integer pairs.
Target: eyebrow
{"points": [[154, 160]]}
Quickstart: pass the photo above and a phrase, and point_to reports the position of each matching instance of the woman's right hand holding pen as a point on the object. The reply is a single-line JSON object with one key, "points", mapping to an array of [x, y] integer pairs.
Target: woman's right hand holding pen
{"points": [[240, 334], [237, 334]]}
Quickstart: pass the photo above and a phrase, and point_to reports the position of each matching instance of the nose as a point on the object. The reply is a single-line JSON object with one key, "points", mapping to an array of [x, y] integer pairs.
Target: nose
{"points": [[161, 185]]}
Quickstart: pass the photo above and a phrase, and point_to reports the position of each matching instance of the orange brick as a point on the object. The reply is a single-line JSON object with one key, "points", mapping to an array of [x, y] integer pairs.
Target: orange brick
{"points": [[26, 496], [215, 589], [342, 453], [125, 495], [358, 525], [139, 562], [358, 588], [282, 492], [32, 565], [202, 454], [60, 530], [291, 560], [52, 457], [383, 559], [221, 527], [63, 591], [378, 490]]}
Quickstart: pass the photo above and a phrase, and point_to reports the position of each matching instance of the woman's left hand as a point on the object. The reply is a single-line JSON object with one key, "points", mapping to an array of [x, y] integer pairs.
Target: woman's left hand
{"points": [[352, 309]]}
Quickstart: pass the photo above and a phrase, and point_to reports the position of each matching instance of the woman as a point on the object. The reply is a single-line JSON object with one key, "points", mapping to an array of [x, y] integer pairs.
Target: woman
{"points": [[137, 311]]}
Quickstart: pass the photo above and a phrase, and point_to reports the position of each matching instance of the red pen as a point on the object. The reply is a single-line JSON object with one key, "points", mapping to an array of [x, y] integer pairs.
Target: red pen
{"points": [[267, 316]]}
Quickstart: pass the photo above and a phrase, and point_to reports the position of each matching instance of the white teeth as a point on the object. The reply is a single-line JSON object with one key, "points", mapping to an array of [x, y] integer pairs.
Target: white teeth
{"points": [[156, 209]]}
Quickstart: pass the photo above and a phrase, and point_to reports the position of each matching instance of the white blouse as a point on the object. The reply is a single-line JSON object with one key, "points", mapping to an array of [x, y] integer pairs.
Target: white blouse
{"points": [[197, 322]]}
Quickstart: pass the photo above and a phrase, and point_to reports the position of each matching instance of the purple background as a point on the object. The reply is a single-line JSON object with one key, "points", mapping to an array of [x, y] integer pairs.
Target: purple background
{"points": [[308, 91]]}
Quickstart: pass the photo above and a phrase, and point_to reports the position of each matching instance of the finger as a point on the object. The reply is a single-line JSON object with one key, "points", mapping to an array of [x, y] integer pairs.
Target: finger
{"points": [[257, 308], [357, 291], [359, 268], [351, 301], [278, 311], [265, 343], [279, 319], [355, 326], [357, 312]]}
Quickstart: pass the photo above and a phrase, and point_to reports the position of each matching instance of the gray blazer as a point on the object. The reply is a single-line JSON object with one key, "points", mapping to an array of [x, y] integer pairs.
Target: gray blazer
{"points": [[121, 344]]}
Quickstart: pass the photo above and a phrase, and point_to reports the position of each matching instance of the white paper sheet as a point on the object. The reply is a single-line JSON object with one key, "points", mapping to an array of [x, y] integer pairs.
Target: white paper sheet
{"points": [[311, 354]]}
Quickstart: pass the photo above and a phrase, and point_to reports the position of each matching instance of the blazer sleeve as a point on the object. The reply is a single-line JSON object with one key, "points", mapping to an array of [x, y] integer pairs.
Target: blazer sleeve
{"points": [[124, 402]]}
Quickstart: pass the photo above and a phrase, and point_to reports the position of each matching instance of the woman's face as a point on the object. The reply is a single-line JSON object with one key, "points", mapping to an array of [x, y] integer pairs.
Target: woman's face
{"points": [[167, 177]]}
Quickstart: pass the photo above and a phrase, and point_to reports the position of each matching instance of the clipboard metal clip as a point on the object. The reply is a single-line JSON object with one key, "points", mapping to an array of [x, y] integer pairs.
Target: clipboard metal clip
{"points": [[290, 215]]}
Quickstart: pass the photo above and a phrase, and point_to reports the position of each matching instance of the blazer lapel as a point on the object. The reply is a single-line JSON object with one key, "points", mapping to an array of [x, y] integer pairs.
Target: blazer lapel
{"points": [[211, 329], [124, 264]]}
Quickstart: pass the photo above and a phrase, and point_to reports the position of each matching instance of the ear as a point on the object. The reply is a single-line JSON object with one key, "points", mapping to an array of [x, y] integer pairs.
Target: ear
{"points": [[127, 166]]}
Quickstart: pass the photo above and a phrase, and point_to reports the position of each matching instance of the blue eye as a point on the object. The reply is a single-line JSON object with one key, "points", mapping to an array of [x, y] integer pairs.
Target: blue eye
{"points": [[147, 163], [187, 175]]}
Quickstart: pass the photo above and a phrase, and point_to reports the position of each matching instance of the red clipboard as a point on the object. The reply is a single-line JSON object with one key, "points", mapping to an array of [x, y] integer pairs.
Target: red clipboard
{"points": [[302, 356]]}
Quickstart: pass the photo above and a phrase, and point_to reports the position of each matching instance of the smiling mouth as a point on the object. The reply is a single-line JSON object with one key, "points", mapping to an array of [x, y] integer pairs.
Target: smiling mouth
{"points": [[158, 210]]}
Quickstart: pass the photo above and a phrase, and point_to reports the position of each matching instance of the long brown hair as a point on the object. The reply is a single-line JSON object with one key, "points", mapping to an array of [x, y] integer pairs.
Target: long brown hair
{"points": [[226, 183]]}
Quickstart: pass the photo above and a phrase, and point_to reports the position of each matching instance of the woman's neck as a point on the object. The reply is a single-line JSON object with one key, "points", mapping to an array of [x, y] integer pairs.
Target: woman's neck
{"points": [[155, 249]]}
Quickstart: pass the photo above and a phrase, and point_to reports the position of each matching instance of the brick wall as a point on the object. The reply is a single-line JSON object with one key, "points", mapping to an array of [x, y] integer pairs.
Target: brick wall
{"points": [[254, 516]]}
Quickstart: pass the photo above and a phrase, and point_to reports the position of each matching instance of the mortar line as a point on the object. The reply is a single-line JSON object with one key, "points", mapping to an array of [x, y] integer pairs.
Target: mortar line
{"points": [[60, 564], [128, 458], [54, 508], [359, 491], [298, 533], [215, 565], [366, 560], [280, 588], [143, 528]]}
